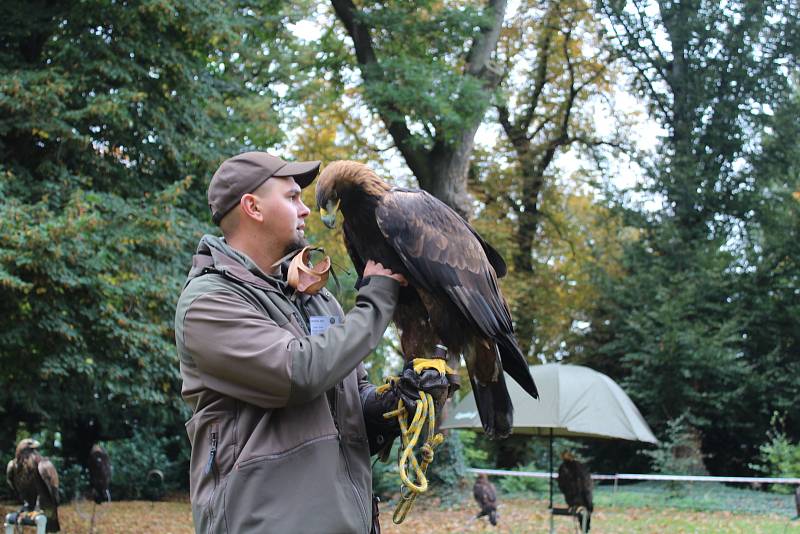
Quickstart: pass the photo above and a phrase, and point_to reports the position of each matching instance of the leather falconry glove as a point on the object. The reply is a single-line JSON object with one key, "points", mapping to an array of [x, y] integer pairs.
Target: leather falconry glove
{"points": [[304, 277], [440, 386]]}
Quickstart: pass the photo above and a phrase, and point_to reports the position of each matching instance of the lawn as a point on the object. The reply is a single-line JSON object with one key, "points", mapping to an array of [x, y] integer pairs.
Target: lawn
{"points": [[643, 508]]}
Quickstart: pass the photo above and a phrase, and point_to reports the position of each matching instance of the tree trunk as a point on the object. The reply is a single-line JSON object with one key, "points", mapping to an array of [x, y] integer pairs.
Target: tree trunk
{"points": [[441, 170]]}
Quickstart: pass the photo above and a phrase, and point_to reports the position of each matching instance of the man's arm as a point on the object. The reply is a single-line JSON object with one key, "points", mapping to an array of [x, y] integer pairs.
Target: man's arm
{"points": [[243, 354]]}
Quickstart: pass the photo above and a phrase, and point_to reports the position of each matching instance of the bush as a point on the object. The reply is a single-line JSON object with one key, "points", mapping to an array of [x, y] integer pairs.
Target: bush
{"points": [[515, 485], [135, 459], [679, 452], [779, 457]]}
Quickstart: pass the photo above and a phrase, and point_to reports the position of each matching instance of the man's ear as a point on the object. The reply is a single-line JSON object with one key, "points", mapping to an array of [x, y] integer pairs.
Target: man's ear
{"points": [[251, 207]]}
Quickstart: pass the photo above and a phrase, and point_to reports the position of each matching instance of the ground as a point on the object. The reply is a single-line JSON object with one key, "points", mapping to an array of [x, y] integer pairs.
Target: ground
{"points": [[517, 515]]}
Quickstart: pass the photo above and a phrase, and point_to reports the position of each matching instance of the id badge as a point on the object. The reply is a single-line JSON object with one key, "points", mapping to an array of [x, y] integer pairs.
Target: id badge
{"points": [[321, 323]]}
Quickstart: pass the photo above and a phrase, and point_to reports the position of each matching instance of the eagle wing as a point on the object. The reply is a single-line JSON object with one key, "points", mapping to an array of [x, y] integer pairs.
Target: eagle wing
{"points": [[50, 478], [442, 251], [485, 494], [10, 468], [568, 484]]}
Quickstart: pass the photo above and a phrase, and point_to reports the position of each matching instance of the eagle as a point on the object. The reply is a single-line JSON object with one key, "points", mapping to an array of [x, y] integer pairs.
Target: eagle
{"points": [[35, 481], [99, 474], [575, 482], [486, 496], [452, 298]]}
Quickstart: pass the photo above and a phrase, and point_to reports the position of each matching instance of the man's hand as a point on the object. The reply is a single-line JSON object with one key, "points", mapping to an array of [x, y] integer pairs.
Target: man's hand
{"points": [[376, 269], [429, 381]]}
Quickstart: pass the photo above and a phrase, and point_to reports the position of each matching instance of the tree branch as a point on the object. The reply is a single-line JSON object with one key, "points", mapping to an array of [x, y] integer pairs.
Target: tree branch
{"points": [[416, 158]]}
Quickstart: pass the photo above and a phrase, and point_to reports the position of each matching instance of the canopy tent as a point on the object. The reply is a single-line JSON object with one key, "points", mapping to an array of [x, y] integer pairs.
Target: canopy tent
{"points": [[574, 402]]}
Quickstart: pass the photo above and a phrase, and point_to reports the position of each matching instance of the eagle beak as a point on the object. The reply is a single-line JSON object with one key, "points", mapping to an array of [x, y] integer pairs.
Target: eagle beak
{"points": [[328, 214], [35, 444]]}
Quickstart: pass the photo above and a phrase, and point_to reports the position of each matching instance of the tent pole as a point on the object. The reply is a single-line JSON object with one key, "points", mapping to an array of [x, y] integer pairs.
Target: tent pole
{"points": [[551, 469], [550, 478]]}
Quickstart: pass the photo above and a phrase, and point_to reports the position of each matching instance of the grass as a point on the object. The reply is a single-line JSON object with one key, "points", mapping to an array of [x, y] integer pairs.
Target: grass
{"points": [[124, 517], [641, 508], [521, 516]]}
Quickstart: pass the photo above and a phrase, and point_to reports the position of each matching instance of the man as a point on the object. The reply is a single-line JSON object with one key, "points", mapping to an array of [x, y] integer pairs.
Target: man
{"points": [[279, 396]]}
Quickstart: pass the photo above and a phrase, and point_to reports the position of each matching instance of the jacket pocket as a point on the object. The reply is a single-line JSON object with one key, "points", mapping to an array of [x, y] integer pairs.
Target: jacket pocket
{"points": [[213, 439]]}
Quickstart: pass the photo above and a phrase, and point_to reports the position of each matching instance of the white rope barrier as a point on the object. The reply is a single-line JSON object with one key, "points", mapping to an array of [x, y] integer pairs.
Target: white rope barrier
{"points": [[626, 476]]}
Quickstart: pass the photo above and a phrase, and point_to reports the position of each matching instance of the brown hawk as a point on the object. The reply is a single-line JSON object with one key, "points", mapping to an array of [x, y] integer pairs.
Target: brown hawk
{"points": [[35, 481], [99, 474], [575, 482], [486, 496]]}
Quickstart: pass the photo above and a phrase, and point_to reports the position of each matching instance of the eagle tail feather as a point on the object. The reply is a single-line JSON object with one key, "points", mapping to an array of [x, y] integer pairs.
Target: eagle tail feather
{"points": [[516, 366], [494, 407], [52, 521]]}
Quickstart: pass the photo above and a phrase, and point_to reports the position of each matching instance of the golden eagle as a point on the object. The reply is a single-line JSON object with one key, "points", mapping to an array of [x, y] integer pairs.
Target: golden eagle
{"points": [[100, 474], [485, 494], [575, 482], [452, 298], [35, 481]]}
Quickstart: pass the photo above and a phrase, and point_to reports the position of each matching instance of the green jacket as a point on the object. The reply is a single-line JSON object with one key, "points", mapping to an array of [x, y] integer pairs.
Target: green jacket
{"points": [[271, 452]]}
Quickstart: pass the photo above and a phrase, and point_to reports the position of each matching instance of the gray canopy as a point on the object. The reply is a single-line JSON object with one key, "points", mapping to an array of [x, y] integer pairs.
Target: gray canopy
{"points": [[574, 401]]}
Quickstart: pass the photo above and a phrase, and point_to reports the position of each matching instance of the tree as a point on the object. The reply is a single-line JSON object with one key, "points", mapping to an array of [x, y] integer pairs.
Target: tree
{"points": [[673, 324], [112, 118], [427, 72], [545, 107]]}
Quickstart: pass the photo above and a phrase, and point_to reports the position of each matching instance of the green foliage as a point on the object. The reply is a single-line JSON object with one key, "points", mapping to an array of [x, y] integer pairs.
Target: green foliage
{"points": [[418, 77], [448, 471], [73, 481], [474, 454], [522, 485], [779, 456], [687, 322], [134, 460], [112, 118], [678, 453]]}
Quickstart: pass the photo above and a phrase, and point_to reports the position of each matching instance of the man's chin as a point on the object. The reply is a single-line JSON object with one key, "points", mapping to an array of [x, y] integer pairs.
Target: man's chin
{"points": [[298, 244]]}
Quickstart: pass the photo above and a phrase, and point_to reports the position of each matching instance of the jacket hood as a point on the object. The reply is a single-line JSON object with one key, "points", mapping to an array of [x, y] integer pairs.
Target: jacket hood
{"points": [[215, 254]]}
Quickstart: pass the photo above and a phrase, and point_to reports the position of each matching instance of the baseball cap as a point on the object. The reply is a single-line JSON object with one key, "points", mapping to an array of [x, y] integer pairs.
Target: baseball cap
{"points": [[246, 172]]}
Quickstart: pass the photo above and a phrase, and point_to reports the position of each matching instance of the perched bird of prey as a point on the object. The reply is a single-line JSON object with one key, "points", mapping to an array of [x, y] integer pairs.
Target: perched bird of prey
{"points": [[485, 494], [35, 481], [575, 482], [100, 474], [452, 298]]}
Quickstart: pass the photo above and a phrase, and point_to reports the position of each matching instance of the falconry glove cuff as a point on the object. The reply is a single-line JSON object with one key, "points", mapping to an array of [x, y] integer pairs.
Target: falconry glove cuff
{"points": [[429, 381], [380, 430]]}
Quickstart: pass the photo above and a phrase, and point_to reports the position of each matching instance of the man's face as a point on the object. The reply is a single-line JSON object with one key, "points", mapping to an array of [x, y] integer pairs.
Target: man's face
{"points": [[284, 213]]}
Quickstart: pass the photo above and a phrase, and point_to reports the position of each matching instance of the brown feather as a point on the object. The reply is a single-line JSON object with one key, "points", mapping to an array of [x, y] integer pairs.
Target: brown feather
{"points": [[486, 497], [35, 480], [99, 473], [453, 296]]}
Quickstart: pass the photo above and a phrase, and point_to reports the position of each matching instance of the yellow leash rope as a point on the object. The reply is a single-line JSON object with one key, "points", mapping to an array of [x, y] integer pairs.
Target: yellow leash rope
{"points": [[425, 411]]}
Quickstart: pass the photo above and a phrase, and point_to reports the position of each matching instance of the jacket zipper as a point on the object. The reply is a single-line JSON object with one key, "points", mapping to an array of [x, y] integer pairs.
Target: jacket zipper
{"points": [[212, 453], [211, 466], [347, 463]]}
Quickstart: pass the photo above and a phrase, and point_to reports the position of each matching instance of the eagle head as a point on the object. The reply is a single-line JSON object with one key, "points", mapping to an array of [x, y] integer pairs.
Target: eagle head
{"points": [[344, 183], [567, 456], [27, 444]]}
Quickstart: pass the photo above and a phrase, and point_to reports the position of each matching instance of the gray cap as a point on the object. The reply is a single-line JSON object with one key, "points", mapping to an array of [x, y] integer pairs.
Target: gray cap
{"points": [[246, 172]]}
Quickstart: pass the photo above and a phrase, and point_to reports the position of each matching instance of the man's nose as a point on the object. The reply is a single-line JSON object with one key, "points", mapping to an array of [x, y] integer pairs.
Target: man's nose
{"points": [[303, 210]]}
